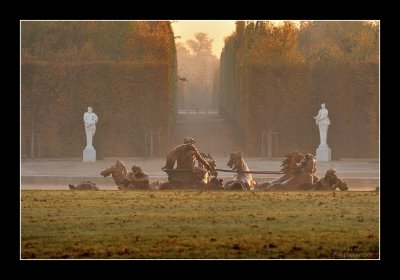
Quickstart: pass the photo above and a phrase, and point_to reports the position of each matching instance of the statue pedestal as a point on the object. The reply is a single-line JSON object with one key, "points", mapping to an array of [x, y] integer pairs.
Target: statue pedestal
{"points": [[323, 153], [89, 154]]}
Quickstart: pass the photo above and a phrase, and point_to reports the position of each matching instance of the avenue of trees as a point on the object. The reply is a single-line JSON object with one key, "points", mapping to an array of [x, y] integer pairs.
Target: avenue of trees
{"points": [[199, 66], [127, 71], [276, 77]]}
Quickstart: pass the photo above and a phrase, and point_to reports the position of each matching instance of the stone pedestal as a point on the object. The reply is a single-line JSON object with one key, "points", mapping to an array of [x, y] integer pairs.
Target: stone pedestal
{"points": [[89, 154], [323, 153]]}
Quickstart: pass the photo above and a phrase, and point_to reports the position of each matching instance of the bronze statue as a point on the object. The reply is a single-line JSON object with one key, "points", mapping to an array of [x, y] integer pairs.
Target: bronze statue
{"points": [[86, 186], [138, 179], [118, 173], [288, 167], [127, 180], [186, 174], [299, 176], [291, 162], [185, 156], [214, 183], [241, 181], [330, 182]]}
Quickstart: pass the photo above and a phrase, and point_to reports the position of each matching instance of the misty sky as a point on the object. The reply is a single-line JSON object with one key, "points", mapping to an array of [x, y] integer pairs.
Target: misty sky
{"points": [[216, 29]]}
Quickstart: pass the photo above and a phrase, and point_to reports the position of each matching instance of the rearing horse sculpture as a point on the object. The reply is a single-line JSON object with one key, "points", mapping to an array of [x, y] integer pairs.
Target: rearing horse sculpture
{"points": [[241, 181], [302, 177], [288, 167], [125, 180], [118, 173]]}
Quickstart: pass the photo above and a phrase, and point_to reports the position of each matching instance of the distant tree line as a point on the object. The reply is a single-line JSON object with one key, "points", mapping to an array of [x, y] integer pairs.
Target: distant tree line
{"points": [[127, 71], [276, 77], [197, 63]]}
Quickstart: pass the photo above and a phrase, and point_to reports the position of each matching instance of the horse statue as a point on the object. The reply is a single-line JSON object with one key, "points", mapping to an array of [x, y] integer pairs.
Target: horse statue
{"points": [[241, 181], [329, 182], [118, 172], [214, 183], [298, 177], [127, 180], [291, 162], [288, 167]]}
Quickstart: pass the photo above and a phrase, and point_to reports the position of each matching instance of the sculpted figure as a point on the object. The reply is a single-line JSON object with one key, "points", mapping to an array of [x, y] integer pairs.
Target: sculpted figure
{"points": [[300, 178], [138, 179], [289, 167], [185, 156], [87, 186], [323, 122], [187, 174], [330, 182], [118, 172], [90, 119], [241, 181]]}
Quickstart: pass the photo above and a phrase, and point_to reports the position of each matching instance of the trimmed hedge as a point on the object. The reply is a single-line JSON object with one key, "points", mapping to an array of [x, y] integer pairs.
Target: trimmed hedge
{"points": [[127, 71], [263, 86], [129, 99]]}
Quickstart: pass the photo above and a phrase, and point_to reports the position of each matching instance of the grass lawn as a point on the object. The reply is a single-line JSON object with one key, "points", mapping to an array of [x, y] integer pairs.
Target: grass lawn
{"points": [[198, 225]]}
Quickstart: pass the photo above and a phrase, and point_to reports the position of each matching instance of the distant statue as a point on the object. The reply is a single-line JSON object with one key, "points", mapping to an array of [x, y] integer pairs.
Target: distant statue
{"points": [[90, 119], [323, 122]]}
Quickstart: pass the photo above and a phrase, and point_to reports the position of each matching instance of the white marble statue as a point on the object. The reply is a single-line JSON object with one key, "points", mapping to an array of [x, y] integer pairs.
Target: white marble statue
{"points": [[323, 122], [90, 119]]}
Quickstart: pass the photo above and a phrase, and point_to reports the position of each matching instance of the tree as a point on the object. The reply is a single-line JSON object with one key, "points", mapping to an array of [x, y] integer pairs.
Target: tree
{"points": [[202, 44], [197, 63], [349, 40]]}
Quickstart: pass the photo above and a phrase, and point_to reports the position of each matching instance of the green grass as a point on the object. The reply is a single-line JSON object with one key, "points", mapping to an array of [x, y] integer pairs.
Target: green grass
{"points": [[194, 224]]}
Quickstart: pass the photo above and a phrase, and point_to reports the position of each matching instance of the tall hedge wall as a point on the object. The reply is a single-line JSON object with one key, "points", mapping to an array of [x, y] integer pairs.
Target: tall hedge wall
{"points": [[267, 82], [129, 100], [127, 71]]}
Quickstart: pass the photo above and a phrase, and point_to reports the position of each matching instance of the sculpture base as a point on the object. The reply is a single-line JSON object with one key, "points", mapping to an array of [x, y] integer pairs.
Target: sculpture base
{"points": [[89, 154], [323, 154]]}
